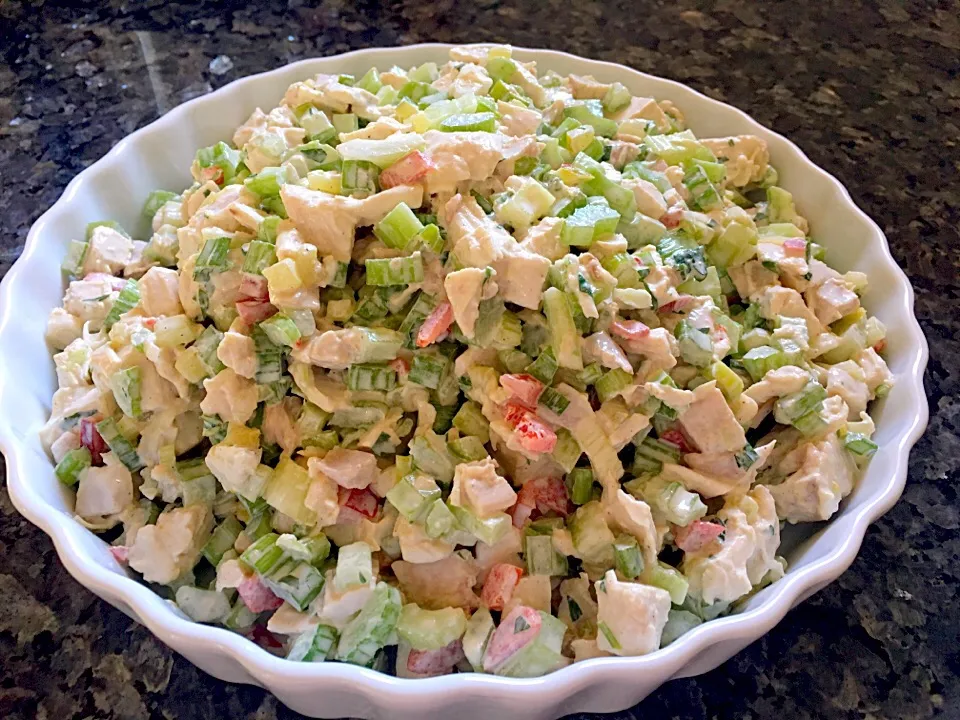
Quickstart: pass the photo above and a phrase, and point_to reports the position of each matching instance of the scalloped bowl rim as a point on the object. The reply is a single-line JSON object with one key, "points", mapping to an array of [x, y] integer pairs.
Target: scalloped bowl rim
{"points": [[172, 627]]}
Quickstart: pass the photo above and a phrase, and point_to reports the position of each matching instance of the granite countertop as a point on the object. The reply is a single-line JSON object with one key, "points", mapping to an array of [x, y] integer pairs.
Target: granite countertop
{"points": [[872, 94]]}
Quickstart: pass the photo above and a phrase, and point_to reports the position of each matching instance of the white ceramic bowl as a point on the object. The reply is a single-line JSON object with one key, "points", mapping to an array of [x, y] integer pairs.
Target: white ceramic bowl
{"points": [[159, 156]]}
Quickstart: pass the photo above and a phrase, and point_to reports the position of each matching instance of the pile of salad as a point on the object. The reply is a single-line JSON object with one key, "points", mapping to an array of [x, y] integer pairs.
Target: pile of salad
{"points": [[462, 368]]}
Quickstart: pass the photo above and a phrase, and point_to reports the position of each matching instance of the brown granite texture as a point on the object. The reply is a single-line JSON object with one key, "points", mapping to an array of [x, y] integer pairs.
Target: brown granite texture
{"points": [[871, 92]]}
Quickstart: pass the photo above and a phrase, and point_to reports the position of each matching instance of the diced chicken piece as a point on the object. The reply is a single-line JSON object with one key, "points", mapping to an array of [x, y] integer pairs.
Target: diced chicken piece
{"points": [[333, 349], [327, 92], [232, 397], [109, 251], [230, 575], [532, 591], [831, 300], [517, 120], [416, 546], [746, 157], [826, 475], [189, 288], [461, 157], [752, 279], [216, 210], [777, 383], [480, 242], [137, 265], [246, 216], [280, 425], [159, 292], [62, 328], [777, 301], [379, 129], [329, 221], [282, 117], [623, 152], [104, 491], [90, 299], [711, 424], [338, 608], [601, 348], [662, 281], [464, 291], [724, 466], [287, 620], [322, 496], [586, 87], [846, 380], [633, 615], [234, 466], [354, 469], [706, 485], [586, 648], [649, 199], [434, 586], [164, 551], [544, 239], [238, 352], [478, 488], [641, 107], [634, 518], [64, 444], [747, 552], [875, 370], [469, 78], [73, 364]]}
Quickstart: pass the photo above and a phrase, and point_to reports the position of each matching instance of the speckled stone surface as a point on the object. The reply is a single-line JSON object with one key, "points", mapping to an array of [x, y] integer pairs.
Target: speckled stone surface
{"points": [[870, 93]]}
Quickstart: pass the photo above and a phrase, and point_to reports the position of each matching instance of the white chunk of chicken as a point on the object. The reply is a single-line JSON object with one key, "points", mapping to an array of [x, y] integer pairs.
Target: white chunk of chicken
{"points": [[353, 469], [104, 491], [746, 157], [232, 397], [465, 291], [238, 352], [234, 467], [109, 251], [747, 552], [416, 546], [159, 292], [164, 551], [633, 616], [478, 488], [831, 300], [480, 242], [329, 221], [711, 424], [813, 491]]}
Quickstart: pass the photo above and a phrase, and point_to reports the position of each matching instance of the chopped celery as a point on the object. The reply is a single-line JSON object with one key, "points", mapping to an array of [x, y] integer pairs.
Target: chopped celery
{"points": [[371, 376], [399, 227], [541, 556], [359, 176], [73, 463], [395, 271], [430, 629], [580, 482], [612, 382], [627, 557], [470, 122], [589, 223]]}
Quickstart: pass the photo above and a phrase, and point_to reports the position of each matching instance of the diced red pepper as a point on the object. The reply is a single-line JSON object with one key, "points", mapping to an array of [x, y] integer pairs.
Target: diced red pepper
{"points": [[535, 435], [520, 513], [400, 365], [213, 172], [682, 303], [675, 436], [672, 217], [436, 324], [697, 535], [90, 439], [362, 501], [525, 388], [254, 311], [513, 411], [257, 596], [254, 287], [546, 494], [435, 662], [499, 586], [517, 630], [795, 247], [630, 329], [407, 170], [121, 553], [264, 638], [880, 346]]}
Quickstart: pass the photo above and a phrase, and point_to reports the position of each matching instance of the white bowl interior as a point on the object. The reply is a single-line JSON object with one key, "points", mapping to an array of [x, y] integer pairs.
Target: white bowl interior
{"points": [[159, 156]]}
